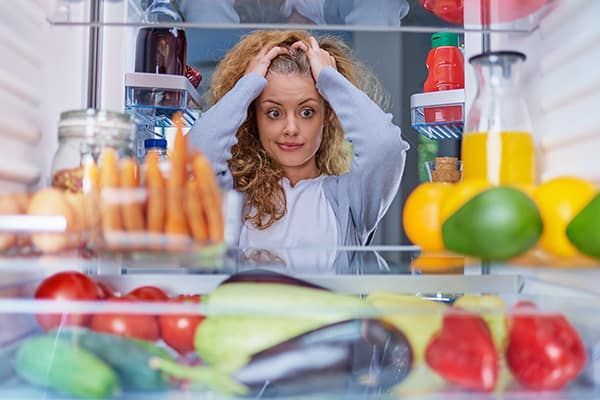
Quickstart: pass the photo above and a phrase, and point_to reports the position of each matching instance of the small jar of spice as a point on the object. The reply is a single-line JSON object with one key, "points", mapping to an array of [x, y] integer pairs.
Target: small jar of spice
{"points": [[83, 134]]}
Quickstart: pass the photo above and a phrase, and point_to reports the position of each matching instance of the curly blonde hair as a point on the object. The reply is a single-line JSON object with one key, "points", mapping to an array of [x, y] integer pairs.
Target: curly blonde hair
{"points": [[254, 172]]}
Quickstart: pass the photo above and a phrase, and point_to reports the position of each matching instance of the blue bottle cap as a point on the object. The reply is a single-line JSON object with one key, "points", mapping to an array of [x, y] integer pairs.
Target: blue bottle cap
{"points": [[155, 143]]}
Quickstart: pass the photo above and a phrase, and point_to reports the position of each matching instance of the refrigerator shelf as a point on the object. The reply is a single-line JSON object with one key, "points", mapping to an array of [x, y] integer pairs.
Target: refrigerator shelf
{"points": [[409, 16], [438, 115], [154, 99]]}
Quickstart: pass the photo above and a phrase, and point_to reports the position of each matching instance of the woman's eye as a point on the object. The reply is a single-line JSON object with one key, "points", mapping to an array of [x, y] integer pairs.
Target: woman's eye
{"points": [[273, 114], [307, 112]]}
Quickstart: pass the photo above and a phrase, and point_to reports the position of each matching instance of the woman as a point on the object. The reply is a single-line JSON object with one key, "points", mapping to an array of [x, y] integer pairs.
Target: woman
{"points": [[284, 106]]}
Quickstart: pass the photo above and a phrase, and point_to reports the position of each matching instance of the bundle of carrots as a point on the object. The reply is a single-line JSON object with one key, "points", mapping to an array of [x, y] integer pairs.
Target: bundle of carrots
{"points": [[186, 204]]}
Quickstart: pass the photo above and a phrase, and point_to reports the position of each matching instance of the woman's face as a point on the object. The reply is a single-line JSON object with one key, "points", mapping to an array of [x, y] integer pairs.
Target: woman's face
{"points": [[290, 116]]}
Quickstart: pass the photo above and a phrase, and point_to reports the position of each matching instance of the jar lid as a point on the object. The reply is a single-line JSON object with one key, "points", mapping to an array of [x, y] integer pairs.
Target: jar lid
{"points": [[91, 122], [441, 39]]}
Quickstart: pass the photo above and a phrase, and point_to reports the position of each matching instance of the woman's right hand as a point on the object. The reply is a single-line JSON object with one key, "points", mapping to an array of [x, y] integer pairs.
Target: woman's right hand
{"points": [[260, 63]]}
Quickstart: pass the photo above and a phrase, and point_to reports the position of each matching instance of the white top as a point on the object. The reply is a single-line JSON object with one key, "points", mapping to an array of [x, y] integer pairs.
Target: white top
{"points": [[308, 222]]}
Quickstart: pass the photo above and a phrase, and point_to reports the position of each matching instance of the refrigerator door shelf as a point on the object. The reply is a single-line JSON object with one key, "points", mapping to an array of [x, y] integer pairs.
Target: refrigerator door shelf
{"points": [[438, 115], [154, 99]]}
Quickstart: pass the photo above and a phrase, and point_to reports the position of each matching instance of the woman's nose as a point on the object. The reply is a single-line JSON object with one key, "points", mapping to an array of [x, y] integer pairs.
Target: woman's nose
{"points": [[291, 126]]}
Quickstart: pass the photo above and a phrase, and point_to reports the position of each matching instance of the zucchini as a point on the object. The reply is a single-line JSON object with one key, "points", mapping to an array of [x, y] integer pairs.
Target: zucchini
{"points": [[129, 357], [263, 316], [55, 363]]}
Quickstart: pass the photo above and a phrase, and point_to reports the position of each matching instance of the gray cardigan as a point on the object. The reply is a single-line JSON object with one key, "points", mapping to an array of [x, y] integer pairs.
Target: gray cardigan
{"points": [[359, 198]]}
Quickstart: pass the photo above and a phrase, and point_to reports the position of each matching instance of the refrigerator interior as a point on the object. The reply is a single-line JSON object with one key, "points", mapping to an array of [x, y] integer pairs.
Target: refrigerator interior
{"points": [[65, 54]]}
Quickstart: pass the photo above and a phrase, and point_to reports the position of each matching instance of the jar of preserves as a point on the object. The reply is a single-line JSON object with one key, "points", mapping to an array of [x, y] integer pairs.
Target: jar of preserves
{"points": [[83, 134]]}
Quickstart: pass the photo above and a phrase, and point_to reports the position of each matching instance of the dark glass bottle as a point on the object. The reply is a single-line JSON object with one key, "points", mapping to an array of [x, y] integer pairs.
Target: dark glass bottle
{"points": [[161, 50]]}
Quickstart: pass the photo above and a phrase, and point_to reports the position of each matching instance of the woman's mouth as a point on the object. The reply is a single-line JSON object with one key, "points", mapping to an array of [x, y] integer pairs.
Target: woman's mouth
{"points": [[289, 146]]}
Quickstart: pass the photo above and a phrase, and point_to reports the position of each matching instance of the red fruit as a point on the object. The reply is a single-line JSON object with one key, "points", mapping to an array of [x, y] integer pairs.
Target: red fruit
{"points": [[106, 291], [544, 351], [178, 331], [148, 293], [68, 285], [139, 326], [463, 352]]}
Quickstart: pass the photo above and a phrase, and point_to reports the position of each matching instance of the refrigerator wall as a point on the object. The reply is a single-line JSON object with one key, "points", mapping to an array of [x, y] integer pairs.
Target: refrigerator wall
{"points": [[43, 71]]}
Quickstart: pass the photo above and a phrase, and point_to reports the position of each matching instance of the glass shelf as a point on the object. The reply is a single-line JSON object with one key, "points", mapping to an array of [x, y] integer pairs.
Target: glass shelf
{"points": [[343, 15], [400, 269]]}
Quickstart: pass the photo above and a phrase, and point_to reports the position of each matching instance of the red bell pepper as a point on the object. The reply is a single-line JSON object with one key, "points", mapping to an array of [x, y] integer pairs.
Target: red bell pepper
{"points": [[544, 351], [463, 352], [448, 10]]}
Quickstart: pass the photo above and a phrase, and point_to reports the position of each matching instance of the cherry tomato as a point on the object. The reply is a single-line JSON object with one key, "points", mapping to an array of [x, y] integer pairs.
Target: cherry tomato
{"points": [[139, 326], [148, 293], [68, 285], [178, 331]]}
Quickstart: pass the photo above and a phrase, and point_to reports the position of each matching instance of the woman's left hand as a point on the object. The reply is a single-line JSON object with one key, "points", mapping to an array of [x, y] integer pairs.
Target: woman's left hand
{"points": [[317, 57]]}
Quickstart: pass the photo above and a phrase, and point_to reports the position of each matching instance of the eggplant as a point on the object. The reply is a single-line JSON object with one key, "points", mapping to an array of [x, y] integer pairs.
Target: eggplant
{"points": [[267, 276], [359, 356], [354, 355]]}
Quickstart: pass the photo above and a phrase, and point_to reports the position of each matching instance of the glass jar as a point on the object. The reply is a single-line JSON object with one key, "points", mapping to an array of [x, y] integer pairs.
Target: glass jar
{"points": [[83, 134], [498, 145]]}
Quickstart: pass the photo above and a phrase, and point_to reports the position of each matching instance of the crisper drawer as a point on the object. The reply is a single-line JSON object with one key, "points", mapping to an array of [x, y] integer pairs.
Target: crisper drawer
{"points": [[267, 335]]}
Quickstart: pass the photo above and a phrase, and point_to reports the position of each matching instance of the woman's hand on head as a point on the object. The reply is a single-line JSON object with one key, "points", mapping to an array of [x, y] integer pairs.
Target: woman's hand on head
{"points": [[260, 63], [317, 57]]}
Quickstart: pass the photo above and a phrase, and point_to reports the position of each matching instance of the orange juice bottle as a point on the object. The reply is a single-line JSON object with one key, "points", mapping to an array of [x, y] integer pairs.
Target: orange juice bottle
{"points": [[498, 145], [500, 157]]}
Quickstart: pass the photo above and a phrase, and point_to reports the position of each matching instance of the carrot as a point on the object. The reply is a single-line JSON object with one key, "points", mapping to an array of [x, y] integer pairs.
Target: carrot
{"points": [[195, 212], [178, 157], [210, 197], [91, 191], [131, 209], [155, 184], [176, 222], [109, 180]]}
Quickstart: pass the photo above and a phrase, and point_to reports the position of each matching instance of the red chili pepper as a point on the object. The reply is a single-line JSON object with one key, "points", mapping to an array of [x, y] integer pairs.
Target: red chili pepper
{"points": [[544, 352], [463, 352]]}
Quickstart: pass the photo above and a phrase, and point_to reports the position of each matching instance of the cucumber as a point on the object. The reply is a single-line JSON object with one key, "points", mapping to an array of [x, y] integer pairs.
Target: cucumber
{"points": [[129, 357], [55, 363]]}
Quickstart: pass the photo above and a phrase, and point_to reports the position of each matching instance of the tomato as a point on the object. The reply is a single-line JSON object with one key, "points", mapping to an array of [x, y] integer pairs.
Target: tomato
{"points": [[544, 351], [463, 352], [68, 285], [139, 326], [148, 293], [178, 331], [106, 291]]}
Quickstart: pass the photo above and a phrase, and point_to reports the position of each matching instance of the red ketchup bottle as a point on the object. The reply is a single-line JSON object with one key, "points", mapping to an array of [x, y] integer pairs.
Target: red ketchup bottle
{"points": [[445, 64]]}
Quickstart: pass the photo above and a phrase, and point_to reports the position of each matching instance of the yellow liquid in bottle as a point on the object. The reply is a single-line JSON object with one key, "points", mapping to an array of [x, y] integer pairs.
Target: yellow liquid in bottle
{"points": [[499, 158]]}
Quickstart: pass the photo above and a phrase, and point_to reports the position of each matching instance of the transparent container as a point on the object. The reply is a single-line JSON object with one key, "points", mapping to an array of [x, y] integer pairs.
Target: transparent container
{"points": [[84, 134], [293, 340], [498, 145]]}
